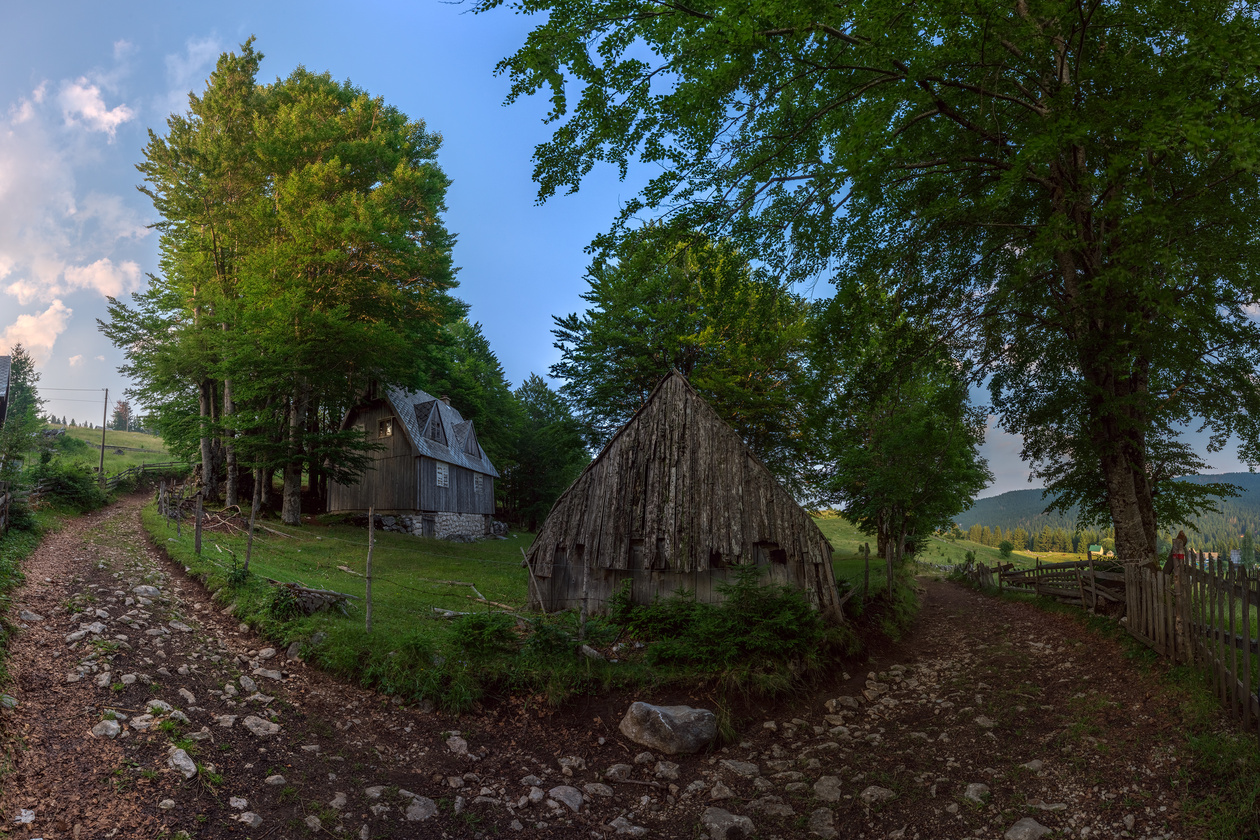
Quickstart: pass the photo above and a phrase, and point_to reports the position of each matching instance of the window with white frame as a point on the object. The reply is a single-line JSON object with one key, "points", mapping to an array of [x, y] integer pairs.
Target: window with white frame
{"points": [[477, 484], [443, 475]]}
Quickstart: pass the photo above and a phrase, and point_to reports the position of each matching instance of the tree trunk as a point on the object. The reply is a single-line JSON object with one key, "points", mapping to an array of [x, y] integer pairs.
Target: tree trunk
{"points": [[205, 405], [232, 485], [291, 504]]}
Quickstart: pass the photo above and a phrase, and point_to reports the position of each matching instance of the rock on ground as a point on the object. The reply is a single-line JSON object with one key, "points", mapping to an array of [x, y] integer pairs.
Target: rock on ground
{"points": [[671, 729]]}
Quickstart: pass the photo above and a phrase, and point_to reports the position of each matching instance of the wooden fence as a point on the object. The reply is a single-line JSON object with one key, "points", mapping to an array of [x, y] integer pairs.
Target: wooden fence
{"points": [[112, 482], [1087, 583], [1204, 613]]}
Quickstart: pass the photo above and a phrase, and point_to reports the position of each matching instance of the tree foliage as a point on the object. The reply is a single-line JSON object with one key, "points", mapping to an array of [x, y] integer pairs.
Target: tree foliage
{"points": [[1068, 185], [22, 423], [667, 300], [548, 454], [303, 256], [899, 441]]}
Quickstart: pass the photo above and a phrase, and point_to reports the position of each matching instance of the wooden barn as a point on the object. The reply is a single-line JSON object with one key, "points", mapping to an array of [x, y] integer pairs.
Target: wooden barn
{"points": [[432, 477], [676, 499]]}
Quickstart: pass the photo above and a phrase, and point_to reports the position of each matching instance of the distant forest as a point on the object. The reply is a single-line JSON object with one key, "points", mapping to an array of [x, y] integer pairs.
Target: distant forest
{"points": [[1019, 516]]}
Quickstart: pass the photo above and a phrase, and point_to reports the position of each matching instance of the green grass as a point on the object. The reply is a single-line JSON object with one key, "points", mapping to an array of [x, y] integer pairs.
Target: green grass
{"points": [[83, 445], [414, 652]]}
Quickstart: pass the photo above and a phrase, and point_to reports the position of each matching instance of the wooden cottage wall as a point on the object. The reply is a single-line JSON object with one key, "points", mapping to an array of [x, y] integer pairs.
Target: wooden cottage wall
{"points": [[389, 484], [679, 479], [460, 496]]}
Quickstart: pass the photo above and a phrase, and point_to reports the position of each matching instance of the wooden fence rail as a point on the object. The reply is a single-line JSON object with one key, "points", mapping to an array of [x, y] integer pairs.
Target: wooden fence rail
{"points": [[112, 482]]}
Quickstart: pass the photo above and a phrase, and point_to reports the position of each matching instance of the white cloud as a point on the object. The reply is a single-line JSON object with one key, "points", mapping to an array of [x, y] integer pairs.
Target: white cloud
{"points": [[81, 102], [188, 71], [123, 48], [99, 358], [106, 278], [37, 333], [76, 360]]}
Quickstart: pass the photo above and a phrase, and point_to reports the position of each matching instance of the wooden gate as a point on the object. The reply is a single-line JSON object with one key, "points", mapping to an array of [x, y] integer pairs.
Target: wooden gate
{"points": [[1151, 609]]}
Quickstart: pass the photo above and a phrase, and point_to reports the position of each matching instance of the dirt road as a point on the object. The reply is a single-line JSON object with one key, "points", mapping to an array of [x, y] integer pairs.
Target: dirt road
{"points": [[145, 712]]}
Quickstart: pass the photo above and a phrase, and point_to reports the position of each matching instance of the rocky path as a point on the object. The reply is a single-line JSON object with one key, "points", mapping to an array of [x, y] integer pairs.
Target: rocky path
{"points": [[145, 712]]}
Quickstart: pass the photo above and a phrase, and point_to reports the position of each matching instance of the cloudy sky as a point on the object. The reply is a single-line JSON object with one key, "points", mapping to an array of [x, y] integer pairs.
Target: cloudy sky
{"points": [[82, 83]]}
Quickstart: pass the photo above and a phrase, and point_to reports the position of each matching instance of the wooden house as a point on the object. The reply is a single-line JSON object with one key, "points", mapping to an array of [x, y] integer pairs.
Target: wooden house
{"points": [[676, 499], [431, 475]]}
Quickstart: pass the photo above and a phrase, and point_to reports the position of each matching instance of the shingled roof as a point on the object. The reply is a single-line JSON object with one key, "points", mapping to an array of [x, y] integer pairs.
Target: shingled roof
{"points": [[453, 439], [4, 376]]}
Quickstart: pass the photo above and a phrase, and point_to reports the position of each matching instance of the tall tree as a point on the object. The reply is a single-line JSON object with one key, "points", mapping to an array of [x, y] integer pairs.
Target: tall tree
{"points": [[667, 300], [548, 454], [1070, 185], [303, 256], [122, 419], [20, 432]]}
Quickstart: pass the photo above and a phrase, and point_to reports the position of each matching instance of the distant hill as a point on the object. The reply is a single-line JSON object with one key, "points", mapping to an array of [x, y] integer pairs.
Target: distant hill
{"points": [[1024, 509]]}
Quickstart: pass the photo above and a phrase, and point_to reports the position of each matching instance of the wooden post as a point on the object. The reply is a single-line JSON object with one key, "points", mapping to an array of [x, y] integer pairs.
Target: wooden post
{"points": [[537, 589], [1246, 629], [197, 529], [1093, 581], [586, 580], [889, 566], [104, 417], [368, 569]]}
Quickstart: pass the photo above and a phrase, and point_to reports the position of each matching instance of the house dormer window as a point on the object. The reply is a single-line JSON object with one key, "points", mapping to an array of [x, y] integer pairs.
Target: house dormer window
{"points": [[385, 428], [443, 475]]}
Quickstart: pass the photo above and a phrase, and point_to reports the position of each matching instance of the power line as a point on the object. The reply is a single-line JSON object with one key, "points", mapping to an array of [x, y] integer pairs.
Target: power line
{"points": [[45, 388]]}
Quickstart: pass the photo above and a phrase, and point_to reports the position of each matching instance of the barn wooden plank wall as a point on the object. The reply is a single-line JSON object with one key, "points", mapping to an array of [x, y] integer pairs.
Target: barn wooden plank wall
{"points": [[674, 500]]}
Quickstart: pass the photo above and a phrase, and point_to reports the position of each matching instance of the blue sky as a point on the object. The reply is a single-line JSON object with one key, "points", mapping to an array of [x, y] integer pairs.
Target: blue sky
{"points": [[82, 83]]}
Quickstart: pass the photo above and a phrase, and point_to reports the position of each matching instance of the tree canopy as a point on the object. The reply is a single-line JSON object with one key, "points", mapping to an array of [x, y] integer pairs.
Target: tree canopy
{"points": [[667, 300], [1068, 186], [22, 422]]}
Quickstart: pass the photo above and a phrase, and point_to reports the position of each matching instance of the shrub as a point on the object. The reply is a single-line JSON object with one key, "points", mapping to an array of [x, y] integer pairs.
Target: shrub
{"points": [[483, 633], [71, 485]]}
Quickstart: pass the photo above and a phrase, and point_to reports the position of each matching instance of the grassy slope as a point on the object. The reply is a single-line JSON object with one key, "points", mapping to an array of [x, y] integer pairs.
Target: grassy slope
{"points": [[152, 449]]}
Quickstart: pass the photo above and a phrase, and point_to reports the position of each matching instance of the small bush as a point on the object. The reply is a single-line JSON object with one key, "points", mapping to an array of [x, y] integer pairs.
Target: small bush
{"points": [[70, 485], [283, 604], [484, 633]]}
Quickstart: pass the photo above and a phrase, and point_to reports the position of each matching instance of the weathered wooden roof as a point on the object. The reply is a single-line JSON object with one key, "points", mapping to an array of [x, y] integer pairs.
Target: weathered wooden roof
{"points": [[416, 409], [680, 478], [4, 376]]}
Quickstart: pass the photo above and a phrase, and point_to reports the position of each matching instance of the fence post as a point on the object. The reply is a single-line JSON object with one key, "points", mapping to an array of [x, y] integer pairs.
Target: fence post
{"points": [[866, 577], [368, 570], [253, 515]]}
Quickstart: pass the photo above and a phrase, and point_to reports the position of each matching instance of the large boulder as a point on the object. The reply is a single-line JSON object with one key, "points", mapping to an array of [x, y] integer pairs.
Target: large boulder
{"points": [[669, 729]]}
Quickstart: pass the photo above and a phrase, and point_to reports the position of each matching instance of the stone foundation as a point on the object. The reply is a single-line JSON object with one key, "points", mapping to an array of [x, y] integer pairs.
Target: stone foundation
{"points": [[462, 527]]}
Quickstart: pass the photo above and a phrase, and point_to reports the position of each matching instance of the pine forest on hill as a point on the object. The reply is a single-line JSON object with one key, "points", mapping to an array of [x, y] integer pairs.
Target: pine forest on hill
{"points": [[1020, 515]]}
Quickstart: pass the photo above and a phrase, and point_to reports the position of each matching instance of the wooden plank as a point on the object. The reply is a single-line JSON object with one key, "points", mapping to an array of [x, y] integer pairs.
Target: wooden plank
{"points": [[1235, 701], [1246, 669]]}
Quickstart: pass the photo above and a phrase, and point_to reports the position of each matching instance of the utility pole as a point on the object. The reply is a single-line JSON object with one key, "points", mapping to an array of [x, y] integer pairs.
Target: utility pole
{"points": [[104, 417]]}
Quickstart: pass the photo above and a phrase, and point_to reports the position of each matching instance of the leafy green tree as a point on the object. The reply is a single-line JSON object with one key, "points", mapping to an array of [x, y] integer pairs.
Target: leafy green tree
{"points": [[1068, 187], [1005, 547], [548, 454], [466, 369], [303, 257], [898, 441], [122, 419], [20, 432], [667, 300]]}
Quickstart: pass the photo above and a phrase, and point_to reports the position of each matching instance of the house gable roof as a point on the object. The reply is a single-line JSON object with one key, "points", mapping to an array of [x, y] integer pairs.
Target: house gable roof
{"points": [[4, 376], [418, 409], [678, 472]]}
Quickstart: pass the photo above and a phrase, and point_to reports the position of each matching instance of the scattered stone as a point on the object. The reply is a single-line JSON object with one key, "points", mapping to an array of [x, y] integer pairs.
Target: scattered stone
{"points": [[1026, 829], [248, 685], [261, 728], [266, 653], [250, 819], [159, 707], [420, 809], [822, 823], [590, 653], [225, 721], [742, 768], [875, 794], [827, 789], [373, 792], [570, 796], [189, 697], [27, 615], [457, 745], [616, 773], [667, 770], [294, 651], [985, 722], [146, 591], [313, 822], [772, 805], [167, 804], [180, 626], [720, 791], [1129, 822], [107, 729], [976, 792], [670, 729], [271, 675], [239, 803], [723, 825], [597, 789], [338, 801], [623, 826], [179, 760], [1035, 765]]}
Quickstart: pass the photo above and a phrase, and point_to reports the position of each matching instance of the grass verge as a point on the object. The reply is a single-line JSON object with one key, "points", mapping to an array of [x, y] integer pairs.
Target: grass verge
{"points": [[495, 648]]}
